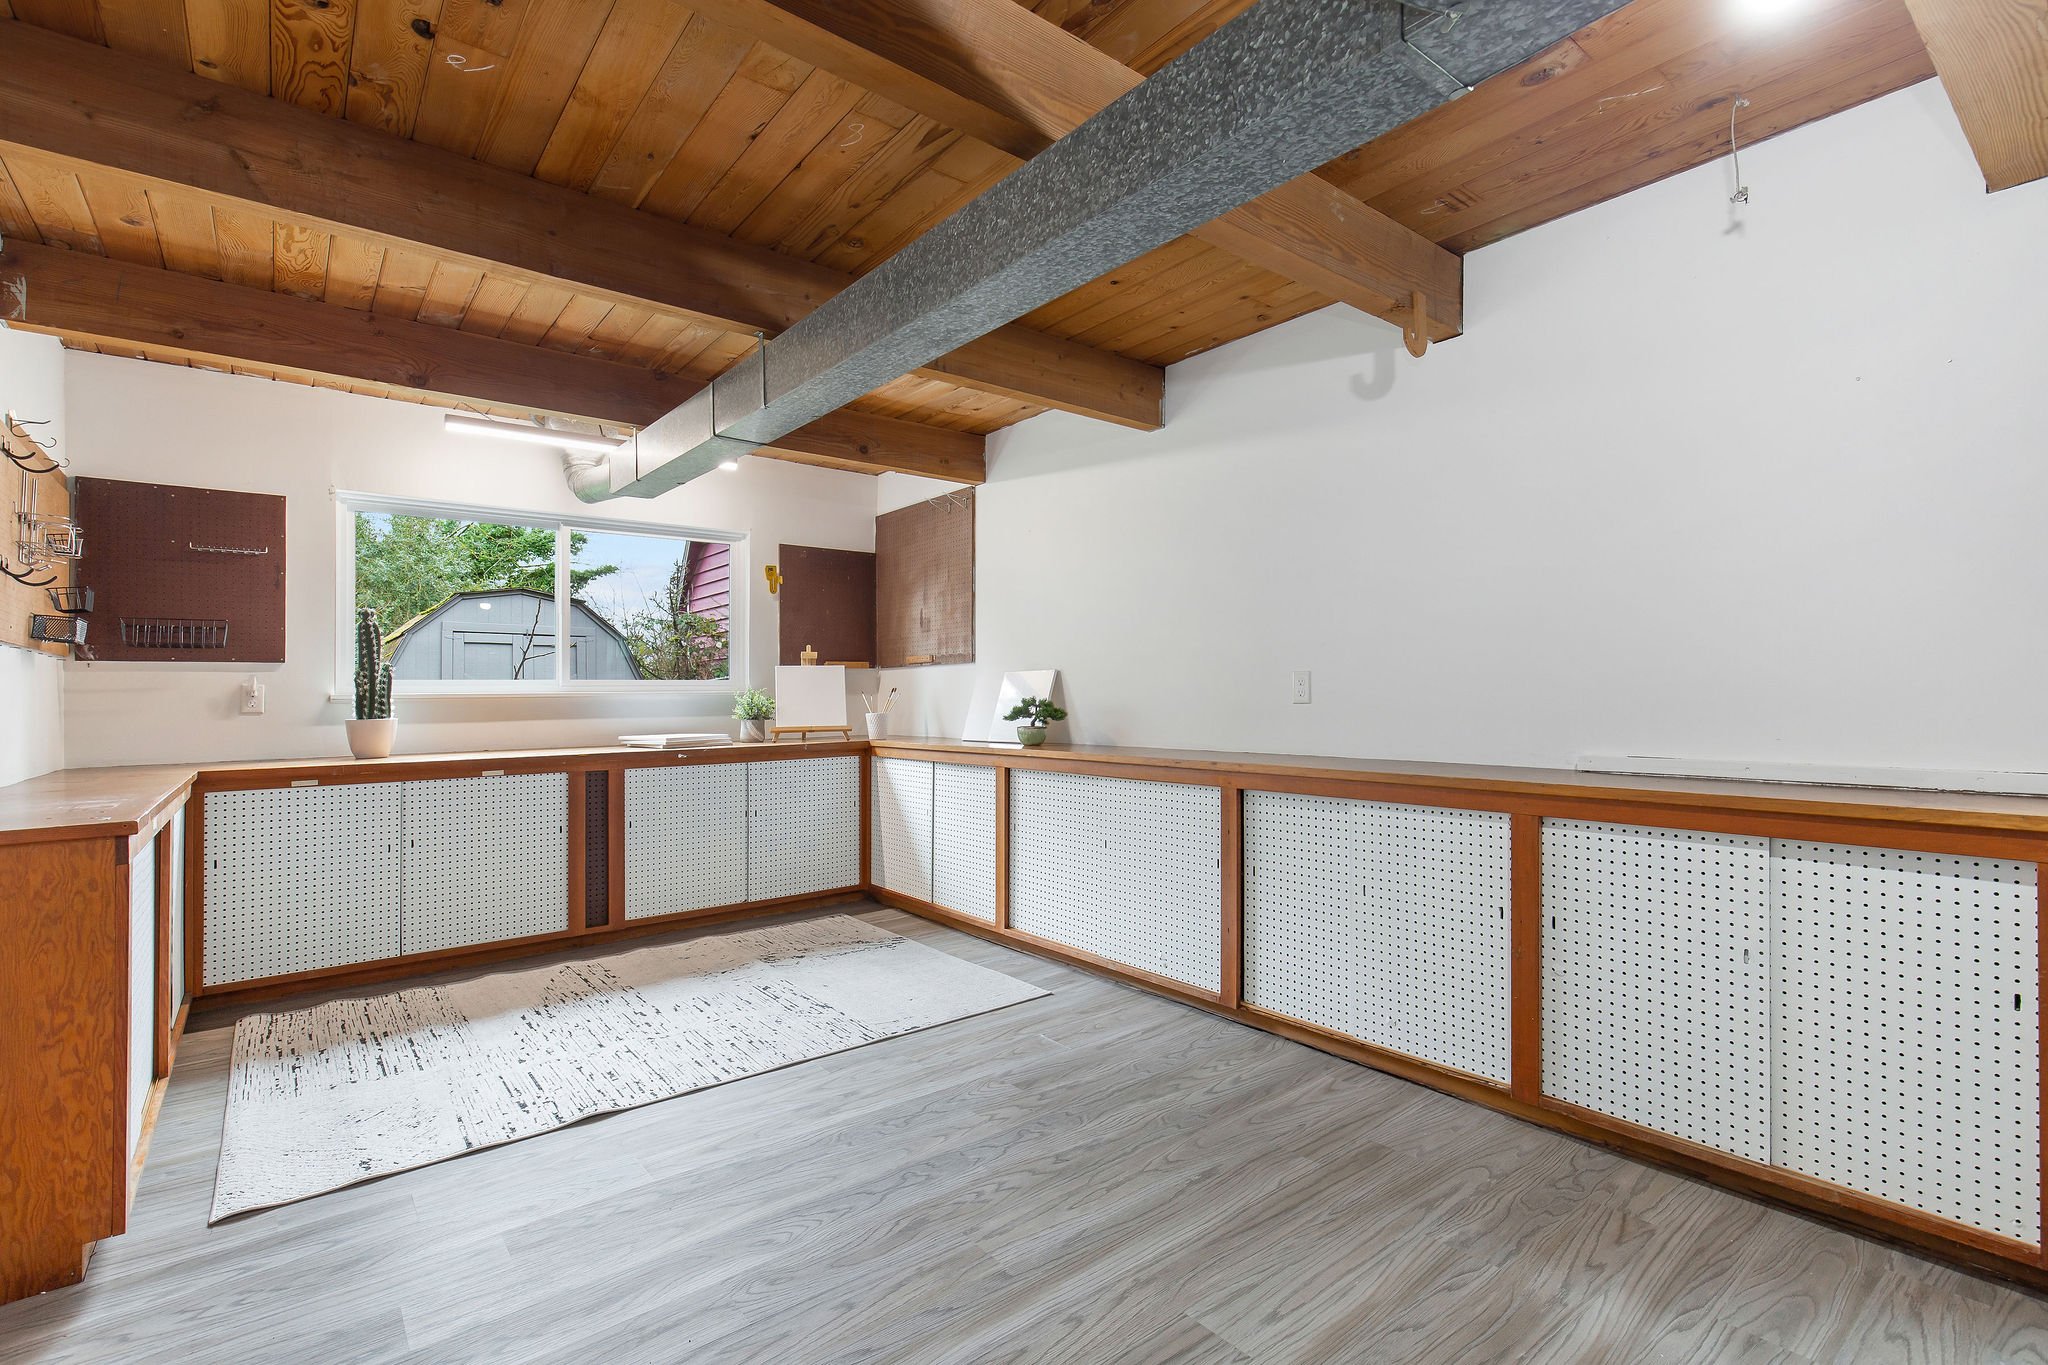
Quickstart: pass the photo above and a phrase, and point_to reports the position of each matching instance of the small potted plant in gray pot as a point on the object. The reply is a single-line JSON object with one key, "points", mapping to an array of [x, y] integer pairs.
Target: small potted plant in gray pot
{"points": [[1038, 712], [371, 733], [753, 709]]}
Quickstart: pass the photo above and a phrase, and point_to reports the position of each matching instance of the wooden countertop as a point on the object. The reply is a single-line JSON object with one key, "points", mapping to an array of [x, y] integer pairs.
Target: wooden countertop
{"points": [[90, 803], [82, 803], [98, 803], [2028, 814]]}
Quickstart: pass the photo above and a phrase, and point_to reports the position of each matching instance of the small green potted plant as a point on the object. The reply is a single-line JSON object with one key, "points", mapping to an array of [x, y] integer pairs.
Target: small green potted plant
{"points": [[1038, 712], [372, 732], [753, 709]]}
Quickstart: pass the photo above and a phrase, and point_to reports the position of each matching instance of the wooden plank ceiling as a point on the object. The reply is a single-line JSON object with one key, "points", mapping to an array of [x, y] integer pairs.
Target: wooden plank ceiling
{"points": [[651, 104]]}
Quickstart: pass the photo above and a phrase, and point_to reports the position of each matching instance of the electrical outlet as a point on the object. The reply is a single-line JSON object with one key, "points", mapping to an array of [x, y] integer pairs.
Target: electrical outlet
{"points": [[1301, 693], [252, 698]]}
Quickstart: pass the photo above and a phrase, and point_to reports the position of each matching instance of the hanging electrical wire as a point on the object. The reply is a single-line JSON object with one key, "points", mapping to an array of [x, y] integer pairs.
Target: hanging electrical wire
{"points": [[1741, 195]]}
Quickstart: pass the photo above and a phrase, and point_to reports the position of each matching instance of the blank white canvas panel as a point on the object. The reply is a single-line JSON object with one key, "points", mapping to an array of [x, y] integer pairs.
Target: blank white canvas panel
{"points": [[1906, 1041], [686, 838], [142, 893], [299, 878], [964, 839], [1432, 944], [1656, 979], [1128, 871], [900, 857], [1301, 920], [485, 859], [803, 826]]}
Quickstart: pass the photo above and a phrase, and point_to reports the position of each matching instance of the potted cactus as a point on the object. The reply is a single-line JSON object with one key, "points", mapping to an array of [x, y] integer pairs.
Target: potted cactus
{"points": [[1037, 712], [371, 733], [753, 709]]}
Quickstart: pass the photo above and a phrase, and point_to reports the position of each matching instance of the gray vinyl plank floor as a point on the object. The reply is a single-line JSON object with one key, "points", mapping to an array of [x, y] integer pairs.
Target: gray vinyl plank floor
{"points": [[1099, 1175]]}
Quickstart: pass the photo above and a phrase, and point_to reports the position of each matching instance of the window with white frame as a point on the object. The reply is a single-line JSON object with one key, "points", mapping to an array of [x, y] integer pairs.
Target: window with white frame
{"points": [[476, 599]]}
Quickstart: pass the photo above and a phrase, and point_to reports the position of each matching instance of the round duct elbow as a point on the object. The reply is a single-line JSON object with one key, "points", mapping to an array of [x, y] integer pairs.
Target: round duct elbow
{"points": [[589, 474]]}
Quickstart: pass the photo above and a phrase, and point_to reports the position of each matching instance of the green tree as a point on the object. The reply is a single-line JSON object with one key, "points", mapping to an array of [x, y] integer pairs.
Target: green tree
{"points": [[669, 641], [408, 565]]}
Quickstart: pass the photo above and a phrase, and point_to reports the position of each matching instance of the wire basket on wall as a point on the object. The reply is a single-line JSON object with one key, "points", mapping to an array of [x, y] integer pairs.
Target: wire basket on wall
{"points": [[171, 632]]}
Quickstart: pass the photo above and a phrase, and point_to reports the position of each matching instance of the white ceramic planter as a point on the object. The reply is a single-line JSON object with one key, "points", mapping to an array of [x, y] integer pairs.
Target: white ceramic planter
{"points": [[372, 738]]}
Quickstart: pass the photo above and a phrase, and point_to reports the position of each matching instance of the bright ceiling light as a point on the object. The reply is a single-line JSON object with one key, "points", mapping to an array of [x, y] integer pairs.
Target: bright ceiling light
{"points": [[730, 464], [1764, 12], [464, 425]]}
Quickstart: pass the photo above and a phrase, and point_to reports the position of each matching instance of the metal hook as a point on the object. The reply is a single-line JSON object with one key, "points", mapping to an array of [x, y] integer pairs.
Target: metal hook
{"points": [[24, 579], [15, 424], [21, 462]]}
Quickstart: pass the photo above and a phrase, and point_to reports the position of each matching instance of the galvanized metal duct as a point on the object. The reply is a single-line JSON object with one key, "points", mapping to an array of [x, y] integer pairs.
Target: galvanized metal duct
{"points": [[1273, 94]]}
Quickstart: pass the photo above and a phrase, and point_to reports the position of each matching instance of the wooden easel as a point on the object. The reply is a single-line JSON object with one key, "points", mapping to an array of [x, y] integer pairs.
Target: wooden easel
{"points": [[776, 732]]}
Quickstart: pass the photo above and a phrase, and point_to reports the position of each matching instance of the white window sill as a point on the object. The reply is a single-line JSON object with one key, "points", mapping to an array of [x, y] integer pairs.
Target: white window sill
{"points": [[551, 691]]}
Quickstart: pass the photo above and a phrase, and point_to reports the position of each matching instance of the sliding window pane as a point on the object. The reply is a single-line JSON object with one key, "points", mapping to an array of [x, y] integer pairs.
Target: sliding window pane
{"points": [[664, 601], [460, 601]]}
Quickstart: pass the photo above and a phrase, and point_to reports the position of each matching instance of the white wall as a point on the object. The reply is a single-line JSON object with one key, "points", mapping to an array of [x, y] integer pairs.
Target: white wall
{"points": [[162, 424], [31, 682], [1767, 491]]}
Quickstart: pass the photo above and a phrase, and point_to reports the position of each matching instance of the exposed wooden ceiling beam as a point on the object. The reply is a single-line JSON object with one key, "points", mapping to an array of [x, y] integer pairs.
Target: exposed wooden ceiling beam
{"points": [[82, 296], [1027, 83], [145, 121], [1992, 57]]}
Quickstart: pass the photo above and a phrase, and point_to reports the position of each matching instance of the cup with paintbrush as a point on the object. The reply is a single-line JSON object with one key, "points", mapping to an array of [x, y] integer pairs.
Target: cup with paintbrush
{"points": [[878, 715]]}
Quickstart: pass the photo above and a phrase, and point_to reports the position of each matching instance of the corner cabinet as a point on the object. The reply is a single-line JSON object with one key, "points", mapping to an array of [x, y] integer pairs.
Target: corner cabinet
{"points": [[91, 1018]]}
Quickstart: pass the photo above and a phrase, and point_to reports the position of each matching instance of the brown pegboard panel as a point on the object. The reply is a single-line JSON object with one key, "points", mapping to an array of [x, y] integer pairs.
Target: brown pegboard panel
{"points": [[827, 601], [157, 553], [924, 583]]}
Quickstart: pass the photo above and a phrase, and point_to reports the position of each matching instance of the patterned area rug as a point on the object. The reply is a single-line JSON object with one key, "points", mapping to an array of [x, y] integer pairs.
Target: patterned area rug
{"points": [[327, 1097]]}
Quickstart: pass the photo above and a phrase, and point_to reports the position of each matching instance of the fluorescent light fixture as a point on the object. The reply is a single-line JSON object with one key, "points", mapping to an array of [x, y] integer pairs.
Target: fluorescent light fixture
{"points": [[463, 424]]}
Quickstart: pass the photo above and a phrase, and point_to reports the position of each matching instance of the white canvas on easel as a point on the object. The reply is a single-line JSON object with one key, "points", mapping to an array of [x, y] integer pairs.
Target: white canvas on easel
{"points": [[991, 726], [810, 697]]}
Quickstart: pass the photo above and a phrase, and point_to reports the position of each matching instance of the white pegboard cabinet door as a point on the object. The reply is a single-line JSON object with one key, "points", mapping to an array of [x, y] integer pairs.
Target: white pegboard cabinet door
{"points": [[485, 859], [686, 838], [964, 839], [1656, 999], [299, 879], [175, 894], [1301, 920], [1386, 923], [1905, 1029], [1433, 946], [1129, 871], [803, 826], [900, 856]]}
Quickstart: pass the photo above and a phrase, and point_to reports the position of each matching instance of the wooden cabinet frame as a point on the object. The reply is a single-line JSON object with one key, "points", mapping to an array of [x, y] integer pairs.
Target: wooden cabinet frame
{"points": [[1995, 827], [576, 765], [1991, 827]]}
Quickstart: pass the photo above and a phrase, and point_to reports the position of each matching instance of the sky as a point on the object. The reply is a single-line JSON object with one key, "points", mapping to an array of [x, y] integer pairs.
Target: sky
{"points": [[645, 563]]}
